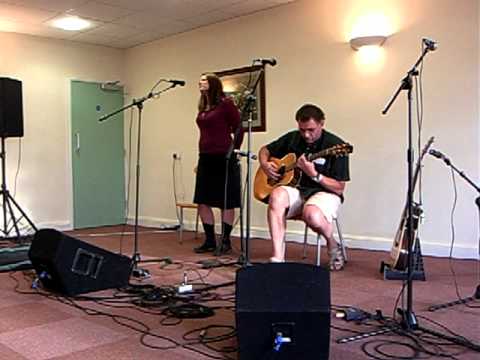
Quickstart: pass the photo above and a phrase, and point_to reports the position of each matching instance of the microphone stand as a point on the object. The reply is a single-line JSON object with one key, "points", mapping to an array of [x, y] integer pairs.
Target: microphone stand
{"points": [[476, 295], [247, 108], [409, 321], [136, 271]]}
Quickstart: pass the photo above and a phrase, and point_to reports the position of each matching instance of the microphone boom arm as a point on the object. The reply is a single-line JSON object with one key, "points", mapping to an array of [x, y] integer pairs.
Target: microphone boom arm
{"points": [[447, 161], [406, 83], [136, 102]]}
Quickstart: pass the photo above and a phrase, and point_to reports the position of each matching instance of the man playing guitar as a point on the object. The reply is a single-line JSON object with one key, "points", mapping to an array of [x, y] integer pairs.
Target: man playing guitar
{"points": [[318, 192]]}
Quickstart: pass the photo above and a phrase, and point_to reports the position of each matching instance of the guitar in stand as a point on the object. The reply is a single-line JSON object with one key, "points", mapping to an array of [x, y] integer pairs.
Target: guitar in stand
{"points": [[291, 175], [397, 268]]}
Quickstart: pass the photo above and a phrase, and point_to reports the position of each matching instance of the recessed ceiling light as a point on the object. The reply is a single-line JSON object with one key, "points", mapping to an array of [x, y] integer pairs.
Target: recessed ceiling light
{"points": [[71, 23]]}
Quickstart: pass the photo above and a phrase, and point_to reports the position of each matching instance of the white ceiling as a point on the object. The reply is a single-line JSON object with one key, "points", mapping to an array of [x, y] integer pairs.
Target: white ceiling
{"points": [[123, 23]]}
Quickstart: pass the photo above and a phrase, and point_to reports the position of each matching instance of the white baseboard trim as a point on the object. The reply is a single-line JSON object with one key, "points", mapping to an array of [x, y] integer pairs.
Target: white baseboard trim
{"points": [[351, 241], [58, 225]]}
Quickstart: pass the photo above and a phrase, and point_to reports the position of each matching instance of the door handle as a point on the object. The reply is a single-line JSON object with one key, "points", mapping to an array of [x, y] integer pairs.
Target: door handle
{"points": [[77, 142]]}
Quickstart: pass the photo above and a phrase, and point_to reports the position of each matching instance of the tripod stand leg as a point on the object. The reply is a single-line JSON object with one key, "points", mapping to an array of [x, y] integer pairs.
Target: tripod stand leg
{"points": [[12, 215], [22, 212], [378, 331], [453, 339], [8, 212], [466, 300]]}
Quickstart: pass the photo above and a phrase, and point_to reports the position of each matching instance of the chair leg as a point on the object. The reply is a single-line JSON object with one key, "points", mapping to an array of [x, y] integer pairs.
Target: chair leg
{"points": [[196, 224], [181, 225], [342, 243], [305, 238], [319, 249]]}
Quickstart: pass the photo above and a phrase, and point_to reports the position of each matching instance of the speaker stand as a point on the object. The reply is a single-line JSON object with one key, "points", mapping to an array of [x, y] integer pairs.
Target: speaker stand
{"points": [[9, 204]]}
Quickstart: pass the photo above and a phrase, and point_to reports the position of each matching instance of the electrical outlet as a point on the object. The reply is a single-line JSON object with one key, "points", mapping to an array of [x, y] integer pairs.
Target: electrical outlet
{"points": [[176, 156]]}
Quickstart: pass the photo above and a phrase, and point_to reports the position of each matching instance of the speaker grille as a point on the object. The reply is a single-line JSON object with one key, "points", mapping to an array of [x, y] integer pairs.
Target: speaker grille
{"points": [[11, 108]]}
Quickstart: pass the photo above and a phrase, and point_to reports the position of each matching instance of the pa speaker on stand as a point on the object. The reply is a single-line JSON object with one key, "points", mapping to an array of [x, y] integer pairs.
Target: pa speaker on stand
{"points": [[283, 312], [11, 125], [11, 108]]}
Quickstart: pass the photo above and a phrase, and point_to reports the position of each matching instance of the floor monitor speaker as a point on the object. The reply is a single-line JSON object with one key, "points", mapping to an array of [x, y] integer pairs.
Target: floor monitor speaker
{"points": [[283, 311], [70, 266]]}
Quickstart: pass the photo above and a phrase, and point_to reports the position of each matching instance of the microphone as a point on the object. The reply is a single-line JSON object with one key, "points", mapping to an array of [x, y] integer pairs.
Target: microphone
{"points": [[436, 153], [439, 155], [245, 154], [176, 82], [430, 44], [271, 61]]}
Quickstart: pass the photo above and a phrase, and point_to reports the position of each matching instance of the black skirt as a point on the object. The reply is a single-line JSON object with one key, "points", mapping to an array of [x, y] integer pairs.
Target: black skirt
{"points": [[210, 182]]}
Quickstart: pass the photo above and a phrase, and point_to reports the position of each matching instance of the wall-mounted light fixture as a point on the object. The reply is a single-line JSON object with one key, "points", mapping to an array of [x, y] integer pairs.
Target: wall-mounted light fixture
{"points": [[358, 42]]}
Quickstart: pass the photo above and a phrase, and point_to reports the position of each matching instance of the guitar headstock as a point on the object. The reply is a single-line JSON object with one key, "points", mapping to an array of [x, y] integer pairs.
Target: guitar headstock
{"points": [[339, 150]]}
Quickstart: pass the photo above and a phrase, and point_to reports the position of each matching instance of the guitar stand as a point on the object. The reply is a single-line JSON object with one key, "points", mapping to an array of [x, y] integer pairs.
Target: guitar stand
{"points": [[418, 271]]}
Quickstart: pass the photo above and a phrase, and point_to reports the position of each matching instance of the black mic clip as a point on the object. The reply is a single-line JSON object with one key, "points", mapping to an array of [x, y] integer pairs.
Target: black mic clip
{"points": [[175, 82], [271, 61], [439, 155], [245, 154], [430, 44]]}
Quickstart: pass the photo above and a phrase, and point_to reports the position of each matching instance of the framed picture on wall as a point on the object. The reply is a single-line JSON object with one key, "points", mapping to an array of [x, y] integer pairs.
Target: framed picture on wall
{"points": [[237, 82]]}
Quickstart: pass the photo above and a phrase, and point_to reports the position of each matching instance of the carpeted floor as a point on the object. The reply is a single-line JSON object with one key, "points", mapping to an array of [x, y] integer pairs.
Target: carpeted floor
{"points": [[133, 324]]}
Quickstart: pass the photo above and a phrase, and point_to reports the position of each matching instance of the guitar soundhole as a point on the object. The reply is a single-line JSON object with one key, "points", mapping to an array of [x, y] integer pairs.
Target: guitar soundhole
{"points": [[273, 182]]}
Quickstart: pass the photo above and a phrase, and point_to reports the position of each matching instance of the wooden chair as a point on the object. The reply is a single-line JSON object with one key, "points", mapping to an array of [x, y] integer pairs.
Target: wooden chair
{"points": [[179, 194], [180, 207]]}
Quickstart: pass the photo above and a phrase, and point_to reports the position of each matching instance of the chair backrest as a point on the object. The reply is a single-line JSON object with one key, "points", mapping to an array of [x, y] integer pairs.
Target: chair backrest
{"points": [[179, 192]]}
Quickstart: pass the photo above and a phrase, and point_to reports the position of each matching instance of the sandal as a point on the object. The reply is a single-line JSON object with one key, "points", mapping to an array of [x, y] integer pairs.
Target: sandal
{"points": [[337, 260]]}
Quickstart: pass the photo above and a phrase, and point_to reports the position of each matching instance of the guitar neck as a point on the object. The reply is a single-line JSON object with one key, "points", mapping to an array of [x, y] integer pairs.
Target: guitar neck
{"points": [[337, 150], [418, 166], [312, 157]]}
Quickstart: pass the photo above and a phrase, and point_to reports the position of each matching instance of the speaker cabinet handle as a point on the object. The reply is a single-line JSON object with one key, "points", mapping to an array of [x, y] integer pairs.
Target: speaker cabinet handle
{"points": [[87, 263], [77, 141]]}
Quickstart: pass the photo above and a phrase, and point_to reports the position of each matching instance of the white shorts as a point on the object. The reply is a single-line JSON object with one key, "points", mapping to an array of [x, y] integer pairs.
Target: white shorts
{"points": [[328, 203]]}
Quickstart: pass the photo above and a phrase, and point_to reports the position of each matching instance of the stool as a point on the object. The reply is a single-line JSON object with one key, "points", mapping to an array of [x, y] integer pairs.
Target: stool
{"points": [[340, 238]]}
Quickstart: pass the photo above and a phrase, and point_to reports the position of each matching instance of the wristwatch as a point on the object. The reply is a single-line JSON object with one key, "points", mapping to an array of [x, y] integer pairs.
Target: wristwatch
{"points": [[317, 178]]}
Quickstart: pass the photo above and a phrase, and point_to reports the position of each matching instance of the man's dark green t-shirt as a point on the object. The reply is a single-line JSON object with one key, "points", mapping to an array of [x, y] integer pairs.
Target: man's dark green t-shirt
{"points": [[331, 166]]}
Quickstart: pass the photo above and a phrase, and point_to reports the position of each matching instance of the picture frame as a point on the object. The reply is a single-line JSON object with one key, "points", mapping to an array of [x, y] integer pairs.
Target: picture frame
{"points": [[236, 83]]}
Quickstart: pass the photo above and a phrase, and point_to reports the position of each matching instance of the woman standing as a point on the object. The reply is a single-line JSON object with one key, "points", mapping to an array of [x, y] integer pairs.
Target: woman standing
{"points": [[218, 119]]}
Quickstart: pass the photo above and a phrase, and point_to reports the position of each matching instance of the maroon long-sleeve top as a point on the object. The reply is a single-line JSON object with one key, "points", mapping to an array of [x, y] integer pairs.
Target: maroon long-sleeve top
{"points": [[217, 127]]}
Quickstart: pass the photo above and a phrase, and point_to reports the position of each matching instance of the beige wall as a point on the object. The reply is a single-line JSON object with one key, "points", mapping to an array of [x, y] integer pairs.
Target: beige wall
{"points": [[316, 64], [45, 67]]}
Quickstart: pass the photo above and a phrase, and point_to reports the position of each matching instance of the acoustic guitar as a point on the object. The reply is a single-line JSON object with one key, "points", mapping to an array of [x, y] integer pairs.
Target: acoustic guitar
{"points": [[399, 251], [290, 174]]}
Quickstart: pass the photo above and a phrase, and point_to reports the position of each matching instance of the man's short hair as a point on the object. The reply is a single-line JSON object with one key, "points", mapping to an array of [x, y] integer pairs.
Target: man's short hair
{"points": [[309, 111]]}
